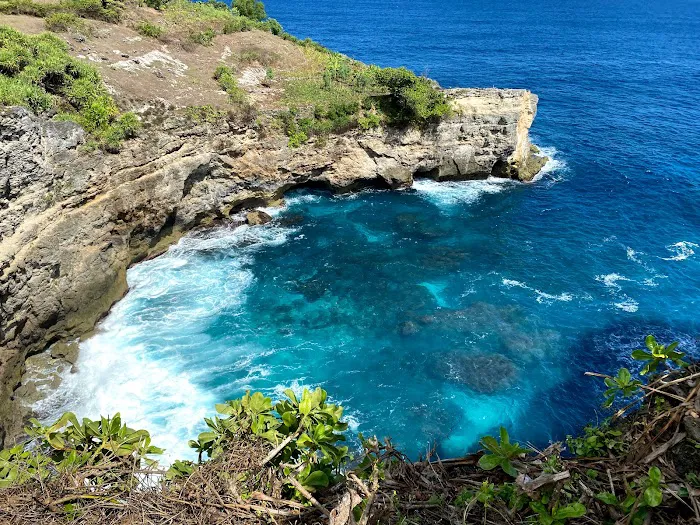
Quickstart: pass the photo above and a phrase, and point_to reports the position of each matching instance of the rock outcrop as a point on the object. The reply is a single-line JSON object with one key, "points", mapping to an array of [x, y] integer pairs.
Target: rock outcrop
{"points": [[72, 220]]}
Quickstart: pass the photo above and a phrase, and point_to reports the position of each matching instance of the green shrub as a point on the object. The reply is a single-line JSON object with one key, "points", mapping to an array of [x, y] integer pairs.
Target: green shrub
{"points": [[253, 9], [156, 4], [369, 121], [64, 22], [150, 30], [206, 113], [226, 79], [410, 99], [309, 426], [106, 10], [238, 25], [204, 38], [599, 441]]}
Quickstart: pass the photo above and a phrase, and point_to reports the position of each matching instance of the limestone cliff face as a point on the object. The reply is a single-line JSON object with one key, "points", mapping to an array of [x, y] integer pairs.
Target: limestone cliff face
{"points": [[72, 220]]}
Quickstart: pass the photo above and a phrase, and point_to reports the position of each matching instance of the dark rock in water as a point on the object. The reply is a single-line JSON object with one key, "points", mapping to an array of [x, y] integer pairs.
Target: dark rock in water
{"points": [[257, 218], [443, 258], [416, 225], [408, 328], [483, 373], [294, 219], [312, 289]]}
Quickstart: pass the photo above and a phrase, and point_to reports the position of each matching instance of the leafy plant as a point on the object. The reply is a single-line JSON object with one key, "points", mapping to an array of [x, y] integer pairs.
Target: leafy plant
{"points": [[500, 454], [204, 38], [637, 505], [63, 22], [253, 9], [309, 428], [597, 442], [657, 354], [558, 515], [226, 79], [622, 385], [150, 30]]}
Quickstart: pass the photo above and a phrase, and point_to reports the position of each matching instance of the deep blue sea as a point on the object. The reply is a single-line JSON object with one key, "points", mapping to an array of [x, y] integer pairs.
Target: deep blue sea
{"points": [[437, 314]]}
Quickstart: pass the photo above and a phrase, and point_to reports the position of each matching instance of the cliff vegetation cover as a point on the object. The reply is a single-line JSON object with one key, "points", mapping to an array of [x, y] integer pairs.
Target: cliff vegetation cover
{"points": [[331, 94], [261, 461]]}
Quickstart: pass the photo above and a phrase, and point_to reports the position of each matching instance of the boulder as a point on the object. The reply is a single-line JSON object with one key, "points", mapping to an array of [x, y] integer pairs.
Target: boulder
{"points": [[257, 218]]}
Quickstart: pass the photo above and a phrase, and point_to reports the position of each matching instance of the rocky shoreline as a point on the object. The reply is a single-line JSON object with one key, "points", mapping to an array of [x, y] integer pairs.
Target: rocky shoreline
{"points": [[73, 220]]}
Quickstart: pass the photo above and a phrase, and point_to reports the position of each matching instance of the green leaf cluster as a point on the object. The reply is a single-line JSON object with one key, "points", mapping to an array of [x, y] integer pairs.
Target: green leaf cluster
{"points": [[639, 499], [598, 441], [622, 385], [70, 444], [657, 354], [557, 515], [310, 427], [500, 454], [227, 80]]}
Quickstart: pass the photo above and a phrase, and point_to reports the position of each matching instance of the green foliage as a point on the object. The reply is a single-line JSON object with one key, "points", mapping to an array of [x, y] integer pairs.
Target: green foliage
{"points": [[622, 385], [411, 99], [657, 354], [180, 469], [557, 515], [107, 10], [253, 9], [369, 121], [310, 427], [36, 71], [70, 444], [156, 4], [64, 22], [500, 454], [201, 114], [203, 38], [597, 442], [150, 30], [226, 79], [640, 498]]}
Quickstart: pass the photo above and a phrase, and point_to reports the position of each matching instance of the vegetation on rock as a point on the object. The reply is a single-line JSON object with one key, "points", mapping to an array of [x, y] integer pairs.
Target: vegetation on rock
{"points": [[37, 72], [284, 462]]}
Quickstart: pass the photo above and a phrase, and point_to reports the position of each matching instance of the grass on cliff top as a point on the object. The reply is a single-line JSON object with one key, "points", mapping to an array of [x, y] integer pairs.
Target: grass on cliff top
{"points": [[37, 72], [346, 94]]}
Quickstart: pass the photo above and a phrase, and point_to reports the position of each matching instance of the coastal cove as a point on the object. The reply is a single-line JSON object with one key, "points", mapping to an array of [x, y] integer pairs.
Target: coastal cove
{"points": [[411, 295]]}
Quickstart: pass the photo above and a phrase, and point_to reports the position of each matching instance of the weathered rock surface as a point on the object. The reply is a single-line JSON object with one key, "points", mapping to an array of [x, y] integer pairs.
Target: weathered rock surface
{"points": [[73, 220]]}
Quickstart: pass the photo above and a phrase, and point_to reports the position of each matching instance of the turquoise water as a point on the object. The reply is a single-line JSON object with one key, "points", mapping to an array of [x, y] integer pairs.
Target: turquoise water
{"points": [[439, 313]]}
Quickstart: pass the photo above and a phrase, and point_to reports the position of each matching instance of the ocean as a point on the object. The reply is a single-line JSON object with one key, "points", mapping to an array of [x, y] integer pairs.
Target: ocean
{"points": [[437, 314]]}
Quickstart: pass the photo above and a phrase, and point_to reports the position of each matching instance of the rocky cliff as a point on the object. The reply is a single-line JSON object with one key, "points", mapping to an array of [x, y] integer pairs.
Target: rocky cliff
{"points": [[73, 220]]}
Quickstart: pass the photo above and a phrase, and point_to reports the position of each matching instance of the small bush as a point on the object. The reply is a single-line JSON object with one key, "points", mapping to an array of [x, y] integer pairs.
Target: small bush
{"points": [[252, 9], [64, 22], [238, 25], [204, 38], [150, 30], [156, 4], [226, 79], [201, 114], [369, 121]]}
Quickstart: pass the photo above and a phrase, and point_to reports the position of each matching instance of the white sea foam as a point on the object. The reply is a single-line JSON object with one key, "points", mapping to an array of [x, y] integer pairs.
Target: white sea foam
{"points": [[681, 250], [555, 168], [134, 363], [452, 193], [628, 305], [542, 297], [610, 280]]}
